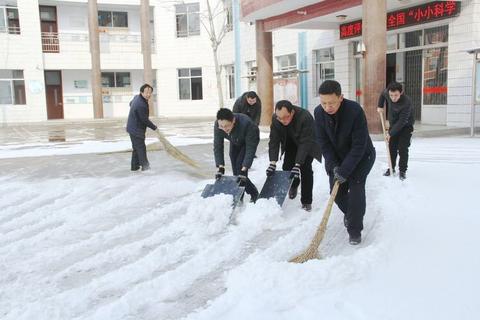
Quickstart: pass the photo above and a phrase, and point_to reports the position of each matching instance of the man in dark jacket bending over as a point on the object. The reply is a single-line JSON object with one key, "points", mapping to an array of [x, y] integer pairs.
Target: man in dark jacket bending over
{"points": [[401, 119], [137, 124], [244, 137], [348, 151], [292, 128], [249, 103]]}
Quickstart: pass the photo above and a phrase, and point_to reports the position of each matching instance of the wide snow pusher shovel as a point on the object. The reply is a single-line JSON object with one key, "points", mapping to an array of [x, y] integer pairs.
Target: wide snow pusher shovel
{"points": [[312, 250]]}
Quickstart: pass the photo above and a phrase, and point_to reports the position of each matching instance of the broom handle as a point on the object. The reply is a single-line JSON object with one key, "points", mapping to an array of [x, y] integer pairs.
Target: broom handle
{"points": [[326, 215], [386, 144]]}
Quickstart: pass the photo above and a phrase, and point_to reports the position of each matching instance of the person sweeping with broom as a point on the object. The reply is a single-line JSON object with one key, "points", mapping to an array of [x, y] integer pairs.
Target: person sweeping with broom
{"points": [[342, 133]]}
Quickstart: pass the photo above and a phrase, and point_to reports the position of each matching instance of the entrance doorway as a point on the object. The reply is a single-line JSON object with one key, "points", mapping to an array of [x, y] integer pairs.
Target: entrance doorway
{"points": [[406, 68], [53, 86]]}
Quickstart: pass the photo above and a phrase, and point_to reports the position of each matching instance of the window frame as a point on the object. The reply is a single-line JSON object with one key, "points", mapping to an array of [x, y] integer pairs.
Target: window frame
{"points": [[11, 81], [187, 13], [319, 66], [112, 19], [189, 77], [230, 80], [115, 74], [8, 26]]}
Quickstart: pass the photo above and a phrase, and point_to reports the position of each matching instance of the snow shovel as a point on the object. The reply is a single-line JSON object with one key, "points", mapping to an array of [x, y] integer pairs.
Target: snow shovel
{"points": [[386, 144], [312, 250]]}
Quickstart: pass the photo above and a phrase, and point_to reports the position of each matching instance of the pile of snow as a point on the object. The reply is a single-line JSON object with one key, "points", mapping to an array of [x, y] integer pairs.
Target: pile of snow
{"points": [[147, 246]]}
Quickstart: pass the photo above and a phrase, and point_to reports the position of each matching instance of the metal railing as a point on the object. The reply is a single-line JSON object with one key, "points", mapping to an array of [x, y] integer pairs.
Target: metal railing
{"points": [[54, 42], [10, 30]]}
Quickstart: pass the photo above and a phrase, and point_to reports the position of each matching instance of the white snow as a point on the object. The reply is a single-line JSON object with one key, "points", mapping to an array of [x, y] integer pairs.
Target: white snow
{"points": [[147, 246]]}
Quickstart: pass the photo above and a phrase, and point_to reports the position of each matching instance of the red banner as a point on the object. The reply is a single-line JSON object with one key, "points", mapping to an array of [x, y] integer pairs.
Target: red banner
{"points": [[424, 13]]}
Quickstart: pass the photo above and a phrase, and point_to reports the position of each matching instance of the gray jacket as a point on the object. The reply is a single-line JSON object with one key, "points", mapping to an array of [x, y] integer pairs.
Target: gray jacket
{"points": [[244, 132]]}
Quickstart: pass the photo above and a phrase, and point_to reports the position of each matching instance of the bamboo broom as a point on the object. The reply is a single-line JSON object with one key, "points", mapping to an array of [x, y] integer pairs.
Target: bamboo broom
{"points": [[312, 250], [174, 152]]}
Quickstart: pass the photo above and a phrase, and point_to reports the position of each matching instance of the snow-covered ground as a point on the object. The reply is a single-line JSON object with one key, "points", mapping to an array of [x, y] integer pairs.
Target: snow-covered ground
{"points": [[111, 244]]}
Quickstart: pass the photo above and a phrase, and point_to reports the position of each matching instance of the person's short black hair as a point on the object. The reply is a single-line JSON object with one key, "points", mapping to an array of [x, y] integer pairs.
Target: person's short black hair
{"points": [[146, 85], [395, 86], [251, 94], [329, 87], [284, 104], [225, 114]]}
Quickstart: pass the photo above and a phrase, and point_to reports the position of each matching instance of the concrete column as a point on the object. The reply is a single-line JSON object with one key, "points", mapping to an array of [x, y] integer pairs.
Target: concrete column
{"points": [[375, 39], [95, 56], [147, 48], [264, 72]]}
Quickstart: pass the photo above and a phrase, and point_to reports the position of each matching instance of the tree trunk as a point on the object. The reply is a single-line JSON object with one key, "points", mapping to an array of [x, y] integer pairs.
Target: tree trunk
{"points": [[218, 73]]}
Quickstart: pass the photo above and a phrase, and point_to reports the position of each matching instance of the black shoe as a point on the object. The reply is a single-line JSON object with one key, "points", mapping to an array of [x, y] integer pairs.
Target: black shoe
{"points": [[355, 239], [145, 167], [135, 169], [402, 175], [307, 207], [253, 197], [292, 194], [387, 173]]}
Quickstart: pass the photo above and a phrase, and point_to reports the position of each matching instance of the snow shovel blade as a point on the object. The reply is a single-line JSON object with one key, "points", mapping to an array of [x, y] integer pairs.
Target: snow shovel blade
{"points": [[277, 185], [225, 185]]}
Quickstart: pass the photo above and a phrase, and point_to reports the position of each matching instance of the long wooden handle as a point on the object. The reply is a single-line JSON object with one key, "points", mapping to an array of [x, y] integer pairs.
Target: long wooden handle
{"points": [[390, 165]]}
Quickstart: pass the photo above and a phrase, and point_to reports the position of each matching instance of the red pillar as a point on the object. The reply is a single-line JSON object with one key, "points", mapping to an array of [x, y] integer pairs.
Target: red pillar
{"points": [[264, 72], [375, 40]]}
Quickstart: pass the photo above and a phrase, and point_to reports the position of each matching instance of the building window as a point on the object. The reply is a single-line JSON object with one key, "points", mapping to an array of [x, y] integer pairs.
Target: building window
{"points": [[9, 21], [227, 4], [230, 77], [252, 74], [287, 62], [435, 76], [12, 87], [323, 67], [112, 19], [116, 79], [188, 19], [190, 84]]}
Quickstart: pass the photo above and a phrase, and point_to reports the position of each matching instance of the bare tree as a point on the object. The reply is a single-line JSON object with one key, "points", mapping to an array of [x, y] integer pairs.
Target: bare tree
{"points": [[215, 23]]}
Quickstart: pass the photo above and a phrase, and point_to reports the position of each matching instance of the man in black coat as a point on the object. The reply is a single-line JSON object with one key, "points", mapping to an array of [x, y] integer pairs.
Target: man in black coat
{"points": [[349, 154], [244, 137], [292, 129], [401, 119], [249, 103], [137, 124]]}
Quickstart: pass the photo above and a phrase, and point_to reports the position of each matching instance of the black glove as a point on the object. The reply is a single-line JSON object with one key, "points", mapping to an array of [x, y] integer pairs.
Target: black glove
{"points": [[242, 178], [220, 173], [295, 172], [271, 169], [337, 175]]}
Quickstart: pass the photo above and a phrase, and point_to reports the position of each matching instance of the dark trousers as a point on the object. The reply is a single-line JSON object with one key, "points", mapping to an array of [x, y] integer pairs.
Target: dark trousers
{"points": [[237, 154], [139, 153], [305, 171], [399, 145], [351, 196]]}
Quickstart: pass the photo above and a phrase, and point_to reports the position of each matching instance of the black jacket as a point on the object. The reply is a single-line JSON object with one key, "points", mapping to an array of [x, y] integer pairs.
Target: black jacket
{"points": [[400, 113], [138, 121], [344, 139], [241, 106], [301, 131], [244, 132]]}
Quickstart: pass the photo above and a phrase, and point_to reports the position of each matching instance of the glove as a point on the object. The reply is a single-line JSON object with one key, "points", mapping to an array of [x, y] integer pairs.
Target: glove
{"points": [[242, 178], [220, 173], [337, 175], [295, 172], [271, 169]]}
